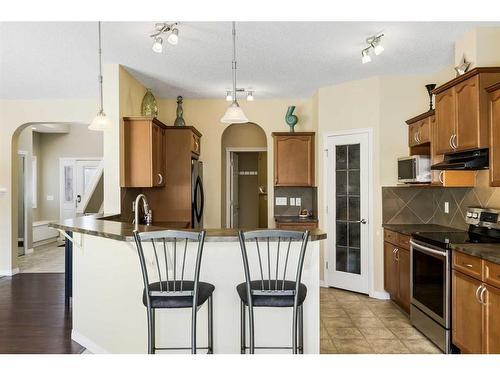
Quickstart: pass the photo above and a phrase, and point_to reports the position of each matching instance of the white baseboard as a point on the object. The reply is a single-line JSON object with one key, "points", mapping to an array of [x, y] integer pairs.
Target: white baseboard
{"points": [[379, 295], [11, 272], [323, 284], [87, 343], [45, 241], [28, 251]]}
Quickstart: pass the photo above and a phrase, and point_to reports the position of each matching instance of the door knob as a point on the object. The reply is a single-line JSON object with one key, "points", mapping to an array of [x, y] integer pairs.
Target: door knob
{"points": [[362, 221]]}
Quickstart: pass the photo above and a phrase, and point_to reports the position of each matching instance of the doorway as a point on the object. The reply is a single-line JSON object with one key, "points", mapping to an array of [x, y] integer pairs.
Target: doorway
{"points": [[78, 180], [246, 190], [349, 185]]}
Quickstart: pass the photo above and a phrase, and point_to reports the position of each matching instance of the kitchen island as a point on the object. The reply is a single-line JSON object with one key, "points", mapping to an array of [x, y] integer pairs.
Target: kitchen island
{"points": [[108, 314]]}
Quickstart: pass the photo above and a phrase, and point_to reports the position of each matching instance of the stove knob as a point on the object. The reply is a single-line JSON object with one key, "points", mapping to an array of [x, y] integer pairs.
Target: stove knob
{"points": [[469, 214], [475, 215]]}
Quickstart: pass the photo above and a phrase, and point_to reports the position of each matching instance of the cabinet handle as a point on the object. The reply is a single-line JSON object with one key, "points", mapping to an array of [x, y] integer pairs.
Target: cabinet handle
{"points": [[450, 141], [441, 177], [453, 141], [467, 265], [397, 255], [477, 293], [418, 137], [415, 137], [160, 179], [481, 300]]}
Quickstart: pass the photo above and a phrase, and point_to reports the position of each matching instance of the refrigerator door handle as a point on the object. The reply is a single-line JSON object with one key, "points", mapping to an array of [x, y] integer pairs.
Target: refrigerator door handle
{"points": [[199, 210]]}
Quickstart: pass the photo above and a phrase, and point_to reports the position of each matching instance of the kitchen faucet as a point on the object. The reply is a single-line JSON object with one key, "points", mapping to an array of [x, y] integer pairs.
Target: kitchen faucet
{"points": [[147, 212]]}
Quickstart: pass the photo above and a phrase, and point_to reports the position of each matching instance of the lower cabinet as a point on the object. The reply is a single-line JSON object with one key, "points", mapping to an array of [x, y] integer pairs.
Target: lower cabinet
{"points": [[475, 307], [397, 268], [297, 225]]}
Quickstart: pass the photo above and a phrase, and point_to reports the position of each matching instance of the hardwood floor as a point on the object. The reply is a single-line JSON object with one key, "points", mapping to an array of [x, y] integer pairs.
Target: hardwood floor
{"points": [[33, 318]]}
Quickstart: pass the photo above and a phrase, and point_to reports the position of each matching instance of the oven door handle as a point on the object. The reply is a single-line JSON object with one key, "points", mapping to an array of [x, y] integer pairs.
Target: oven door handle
{"points": [[429, 250]]}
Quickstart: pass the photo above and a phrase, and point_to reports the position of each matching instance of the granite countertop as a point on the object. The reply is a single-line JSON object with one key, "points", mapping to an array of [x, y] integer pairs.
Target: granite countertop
{"points": [[295, 219], [486, 251], [410, 229], [109, 227]]}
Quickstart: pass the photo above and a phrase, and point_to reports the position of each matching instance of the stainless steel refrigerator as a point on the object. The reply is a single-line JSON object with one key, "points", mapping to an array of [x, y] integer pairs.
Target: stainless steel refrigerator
{"points": [[197, 194]]}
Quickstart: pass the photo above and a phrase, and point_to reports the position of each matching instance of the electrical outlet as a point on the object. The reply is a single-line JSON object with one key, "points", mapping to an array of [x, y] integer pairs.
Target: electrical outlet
{"points": [[298, 201], [446, 207], [292, 201], [281, 201]]}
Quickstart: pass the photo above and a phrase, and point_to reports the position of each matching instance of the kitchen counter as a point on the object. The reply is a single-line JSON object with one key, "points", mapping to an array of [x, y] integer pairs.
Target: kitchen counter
{"points": [[410, 229], [108, 315], [294, 219], [109, 227], [486, 251]]}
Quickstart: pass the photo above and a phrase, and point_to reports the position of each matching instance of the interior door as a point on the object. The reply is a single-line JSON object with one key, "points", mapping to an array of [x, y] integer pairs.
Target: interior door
{"points": [[348, 210], [85, 174], [234, 190]]}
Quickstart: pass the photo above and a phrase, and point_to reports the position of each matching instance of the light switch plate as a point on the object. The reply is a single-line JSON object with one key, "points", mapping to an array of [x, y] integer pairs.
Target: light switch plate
{"points": [[281, 201], [50, 197], [298, 201], [292, 201]]}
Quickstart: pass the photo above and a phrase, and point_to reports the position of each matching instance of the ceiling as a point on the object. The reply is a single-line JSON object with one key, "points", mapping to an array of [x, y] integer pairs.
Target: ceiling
{"points": [[42, 60]]}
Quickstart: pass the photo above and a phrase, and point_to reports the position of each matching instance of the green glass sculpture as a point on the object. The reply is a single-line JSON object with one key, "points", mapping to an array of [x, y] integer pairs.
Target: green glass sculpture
{"points": [[291, 119], [179, 121], [148, 106]]}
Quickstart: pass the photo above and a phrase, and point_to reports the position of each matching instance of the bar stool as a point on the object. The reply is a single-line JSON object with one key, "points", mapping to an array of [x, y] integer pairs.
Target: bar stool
{"points": [[275, 290], [175, 293]]}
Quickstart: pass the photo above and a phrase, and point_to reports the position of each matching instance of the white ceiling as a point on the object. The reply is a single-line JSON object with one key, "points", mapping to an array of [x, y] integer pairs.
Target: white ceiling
{"points": [[41, 60]]}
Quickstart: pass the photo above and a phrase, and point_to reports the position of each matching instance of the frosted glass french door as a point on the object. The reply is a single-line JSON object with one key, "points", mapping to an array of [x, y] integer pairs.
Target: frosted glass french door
{"points": [[348, 210]]}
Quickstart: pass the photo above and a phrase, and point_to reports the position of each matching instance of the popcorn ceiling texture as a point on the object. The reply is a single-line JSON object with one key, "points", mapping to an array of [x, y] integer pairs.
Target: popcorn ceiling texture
{"points": [[425, 205]]}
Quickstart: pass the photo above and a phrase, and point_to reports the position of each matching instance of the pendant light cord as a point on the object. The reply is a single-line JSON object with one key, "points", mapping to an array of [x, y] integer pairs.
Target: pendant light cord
{"points": [[234, 62], [101, 106]]}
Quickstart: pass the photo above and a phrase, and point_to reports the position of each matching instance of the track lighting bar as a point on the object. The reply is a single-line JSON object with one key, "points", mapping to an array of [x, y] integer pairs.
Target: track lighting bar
{"points": [[374, 43]]}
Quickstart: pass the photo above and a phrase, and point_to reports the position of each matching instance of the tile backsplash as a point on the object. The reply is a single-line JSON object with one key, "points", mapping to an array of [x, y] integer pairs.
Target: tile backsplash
{"points": [[425, 205], [308, 196]]}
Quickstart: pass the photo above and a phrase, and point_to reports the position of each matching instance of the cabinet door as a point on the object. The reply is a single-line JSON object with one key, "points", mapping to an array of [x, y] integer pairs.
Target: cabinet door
{"points": [[158, 156], [390, 270], [403, 259], [491, 333], [413, 134], [467, 112], [424, 131], [467, 313], [294, 160], [445, 118], [495, 138]]}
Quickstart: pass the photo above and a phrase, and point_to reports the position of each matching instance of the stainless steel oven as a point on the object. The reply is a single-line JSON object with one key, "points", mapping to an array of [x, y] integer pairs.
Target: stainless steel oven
{"points": [[430, 284]]}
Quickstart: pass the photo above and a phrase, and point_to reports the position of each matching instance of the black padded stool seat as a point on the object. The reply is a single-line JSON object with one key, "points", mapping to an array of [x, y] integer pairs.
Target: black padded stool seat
{"points": [[205, 290], [272, 300]]}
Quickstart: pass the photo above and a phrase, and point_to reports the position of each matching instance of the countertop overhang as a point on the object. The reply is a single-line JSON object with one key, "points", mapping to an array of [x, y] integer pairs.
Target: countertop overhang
{"points": [[105, 226]]}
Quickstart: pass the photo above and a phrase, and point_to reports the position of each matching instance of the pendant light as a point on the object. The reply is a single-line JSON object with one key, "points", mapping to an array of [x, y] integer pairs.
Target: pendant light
{"points": [[101, 122], [234, 114]]}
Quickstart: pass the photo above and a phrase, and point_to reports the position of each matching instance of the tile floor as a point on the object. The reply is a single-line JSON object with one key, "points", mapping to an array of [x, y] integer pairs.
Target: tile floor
{"points": [[353, 323], [45, 258]]}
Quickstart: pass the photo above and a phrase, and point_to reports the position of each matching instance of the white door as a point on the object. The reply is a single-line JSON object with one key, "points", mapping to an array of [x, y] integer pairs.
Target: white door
{"points": [[75, 176], [234, 190], [348, 207]]}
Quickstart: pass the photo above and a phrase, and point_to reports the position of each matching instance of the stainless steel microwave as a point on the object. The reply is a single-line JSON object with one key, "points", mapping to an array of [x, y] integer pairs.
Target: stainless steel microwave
{"points": [[414, 169]]}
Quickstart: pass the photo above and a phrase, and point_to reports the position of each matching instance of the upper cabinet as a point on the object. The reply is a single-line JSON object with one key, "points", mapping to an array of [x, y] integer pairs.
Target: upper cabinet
{"points": [[494, 121], [294, 159], [144, 152], [419, 129], [462, 111]]}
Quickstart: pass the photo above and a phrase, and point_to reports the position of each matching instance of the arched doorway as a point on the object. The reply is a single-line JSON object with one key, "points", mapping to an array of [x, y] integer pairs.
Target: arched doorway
{"points": [[244, 177]]}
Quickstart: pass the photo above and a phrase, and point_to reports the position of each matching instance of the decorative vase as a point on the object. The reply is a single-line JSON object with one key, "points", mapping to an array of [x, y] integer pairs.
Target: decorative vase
{"points": [[179, 121], [291, 119], [430, 87], [148, 106]]}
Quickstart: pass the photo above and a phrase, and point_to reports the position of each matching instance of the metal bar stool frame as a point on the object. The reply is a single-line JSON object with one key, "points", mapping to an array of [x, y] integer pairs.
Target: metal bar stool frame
{"points": [[172, 236], [298, 313]]}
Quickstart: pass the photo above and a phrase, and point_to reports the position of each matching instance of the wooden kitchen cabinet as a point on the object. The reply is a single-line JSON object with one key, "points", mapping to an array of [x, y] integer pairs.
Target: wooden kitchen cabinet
{"points": [[294, 159], [462, 111], [494, 124], [144, 152], [419, 129], [397, 267], [475, 304]]}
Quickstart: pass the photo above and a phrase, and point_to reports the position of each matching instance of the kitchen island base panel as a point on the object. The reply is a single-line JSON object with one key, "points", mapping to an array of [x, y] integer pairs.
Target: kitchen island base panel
{"points": [[109, 317]]}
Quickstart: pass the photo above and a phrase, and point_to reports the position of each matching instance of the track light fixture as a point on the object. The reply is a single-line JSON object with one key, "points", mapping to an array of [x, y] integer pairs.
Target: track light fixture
{"points": [[374, 42], [162, 29]]}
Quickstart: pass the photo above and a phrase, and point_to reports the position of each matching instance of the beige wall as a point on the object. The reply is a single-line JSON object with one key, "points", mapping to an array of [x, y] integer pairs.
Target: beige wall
{"points": [[52, 147], [480, 47], [14, 115], [205, 115]]}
